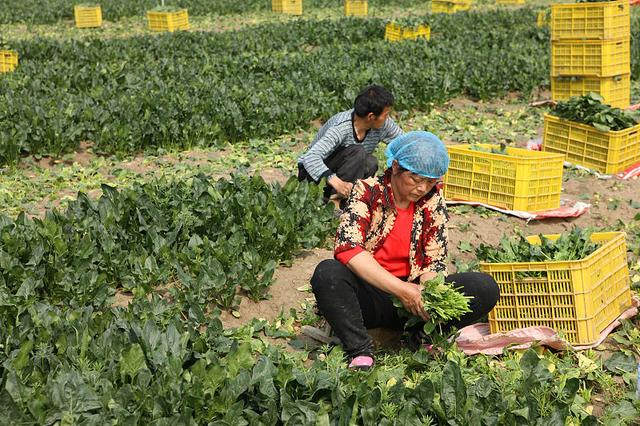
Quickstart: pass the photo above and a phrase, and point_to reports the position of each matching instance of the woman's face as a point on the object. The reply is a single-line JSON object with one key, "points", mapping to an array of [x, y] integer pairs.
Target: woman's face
{"points": [[410, 186]]}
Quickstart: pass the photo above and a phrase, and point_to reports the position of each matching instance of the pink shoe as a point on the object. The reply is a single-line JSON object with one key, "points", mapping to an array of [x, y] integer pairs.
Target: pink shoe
{"points": [[432, 349], [362, 362]]}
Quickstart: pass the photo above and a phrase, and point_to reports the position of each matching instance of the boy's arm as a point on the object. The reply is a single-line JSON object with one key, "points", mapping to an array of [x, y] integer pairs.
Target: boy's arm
{"points": [[313, 159]]}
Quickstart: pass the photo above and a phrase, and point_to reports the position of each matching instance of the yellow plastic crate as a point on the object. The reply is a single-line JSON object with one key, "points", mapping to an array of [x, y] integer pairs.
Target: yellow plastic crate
{"points": [[8, 60], [606, 152], [447, 6], [616, 90], [510, 1], [87, 16], [591, 58], [600, 21], [521, 180], [577, 298], [168, 21], [543, 18], [292, 7], [395, 32], [356, 7]]}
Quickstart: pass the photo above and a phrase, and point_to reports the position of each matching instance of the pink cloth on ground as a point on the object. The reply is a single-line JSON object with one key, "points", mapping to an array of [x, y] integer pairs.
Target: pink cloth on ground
{"points": [[477, 338]]}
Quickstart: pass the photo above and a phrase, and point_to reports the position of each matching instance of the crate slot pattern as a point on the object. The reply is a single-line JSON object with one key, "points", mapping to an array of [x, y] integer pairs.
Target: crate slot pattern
{"points": [[168, 21], [606, 152], [578, 298], [616, 90], [293, 7], [589, 21], [590, 58], [450, 6], [395, 32], [8, 60], [522, 180], [356, 7], [87, 16]]}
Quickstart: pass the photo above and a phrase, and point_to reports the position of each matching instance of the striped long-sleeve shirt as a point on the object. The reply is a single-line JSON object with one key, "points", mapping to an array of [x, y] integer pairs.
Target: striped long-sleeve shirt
{"points": [[338, 132]]}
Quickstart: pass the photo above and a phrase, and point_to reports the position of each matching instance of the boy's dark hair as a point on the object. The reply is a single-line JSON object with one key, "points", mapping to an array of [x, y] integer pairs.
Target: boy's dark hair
{"points": [[372, 99]]}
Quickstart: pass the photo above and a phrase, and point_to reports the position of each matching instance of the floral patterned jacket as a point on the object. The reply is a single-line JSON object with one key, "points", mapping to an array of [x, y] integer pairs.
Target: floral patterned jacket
{"points": [[371, 213]]}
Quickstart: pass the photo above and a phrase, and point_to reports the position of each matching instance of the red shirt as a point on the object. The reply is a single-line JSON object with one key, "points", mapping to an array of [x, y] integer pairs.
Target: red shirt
{"points": [[393, 255]]}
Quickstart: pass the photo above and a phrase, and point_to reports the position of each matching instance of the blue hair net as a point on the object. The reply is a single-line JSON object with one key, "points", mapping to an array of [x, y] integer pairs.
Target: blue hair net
{"points": [[419, 152]]}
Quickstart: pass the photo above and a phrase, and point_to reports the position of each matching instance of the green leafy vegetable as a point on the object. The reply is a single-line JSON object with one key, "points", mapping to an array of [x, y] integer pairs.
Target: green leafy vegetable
{"points": [[590, 109], [442, 302], [573, 245], [495, 149]]}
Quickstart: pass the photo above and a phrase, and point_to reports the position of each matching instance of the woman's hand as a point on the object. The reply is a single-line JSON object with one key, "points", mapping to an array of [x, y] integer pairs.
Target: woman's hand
{"points": [[411, 298]]}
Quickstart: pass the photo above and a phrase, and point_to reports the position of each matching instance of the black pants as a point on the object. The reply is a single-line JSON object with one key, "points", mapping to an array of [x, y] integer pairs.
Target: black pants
{"points": [[351, 305], [348, 163]]}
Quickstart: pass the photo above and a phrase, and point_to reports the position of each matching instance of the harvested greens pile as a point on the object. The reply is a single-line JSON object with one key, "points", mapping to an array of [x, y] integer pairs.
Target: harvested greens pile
{"points": [[442, 302], [574, 245], [410, 21], [495, 149], [590, 109]]}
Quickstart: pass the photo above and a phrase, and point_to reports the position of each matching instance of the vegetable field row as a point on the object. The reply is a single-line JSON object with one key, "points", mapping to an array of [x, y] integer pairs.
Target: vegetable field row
{"points": [[208, 238], [50, 11], [198, 89]]}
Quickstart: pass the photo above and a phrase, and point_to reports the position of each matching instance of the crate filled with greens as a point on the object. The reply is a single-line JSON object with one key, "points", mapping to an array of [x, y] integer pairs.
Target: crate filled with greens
{"points": [[407, 29], [505, 177], [615, 91], [576, 283], [592, 134]]}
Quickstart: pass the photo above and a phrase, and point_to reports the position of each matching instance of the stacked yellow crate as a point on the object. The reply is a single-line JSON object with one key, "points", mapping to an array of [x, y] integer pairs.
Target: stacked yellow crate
{"points": [[590, 51], [397, 32]]}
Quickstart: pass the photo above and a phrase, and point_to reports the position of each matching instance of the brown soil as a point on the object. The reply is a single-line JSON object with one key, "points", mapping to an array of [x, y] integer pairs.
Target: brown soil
{"points": [[288, 291], [83, 155]]}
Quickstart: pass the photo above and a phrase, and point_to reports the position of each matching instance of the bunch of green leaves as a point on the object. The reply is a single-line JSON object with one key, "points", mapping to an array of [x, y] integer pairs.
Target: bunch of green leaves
{"points": [[495, 149], [590, 109], [410, 21], [166, 8], [573, 245], [442, 301]]}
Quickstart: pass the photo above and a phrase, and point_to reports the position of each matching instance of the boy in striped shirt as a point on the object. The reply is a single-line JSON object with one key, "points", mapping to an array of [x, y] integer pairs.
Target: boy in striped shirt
{"points": [[342, 151]]}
